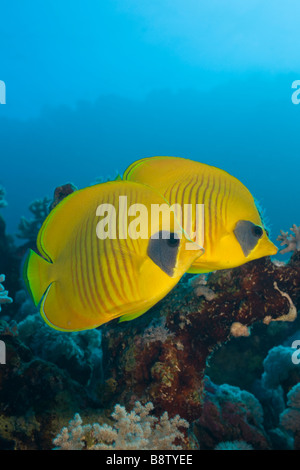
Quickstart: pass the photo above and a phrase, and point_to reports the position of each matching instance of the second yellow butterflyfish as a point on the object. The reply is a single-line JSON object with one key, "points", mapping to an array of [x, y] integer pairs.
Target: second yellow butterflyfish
{"points": [[231, 227]]}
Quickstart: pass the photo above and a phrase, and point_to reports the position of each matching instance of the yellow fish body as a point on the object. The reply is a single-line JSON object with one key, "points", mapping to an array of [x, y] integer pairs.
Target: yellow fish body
{"points": [[94, 269], [233, 230]]}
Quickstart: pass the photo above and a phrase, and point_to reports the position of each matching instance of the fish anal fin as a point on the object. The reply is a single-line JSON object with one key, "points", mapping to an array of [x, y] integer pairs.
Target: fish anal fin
{"points": [[60, 223]]}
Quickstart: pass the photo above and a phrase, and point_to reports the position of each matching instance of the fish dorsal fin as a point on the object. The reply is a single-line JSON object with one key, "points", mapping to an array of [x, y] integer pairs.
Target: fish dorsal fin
{"points": [[58, 225], [141, 167], [159, 172], [67, 216]]}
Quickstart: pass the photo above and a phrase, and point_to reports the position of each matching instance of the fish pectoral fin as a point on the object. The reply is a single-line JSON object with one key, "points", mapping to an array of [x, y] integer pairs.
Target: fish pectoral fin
{"points": [[199, 270], [132, 316]]}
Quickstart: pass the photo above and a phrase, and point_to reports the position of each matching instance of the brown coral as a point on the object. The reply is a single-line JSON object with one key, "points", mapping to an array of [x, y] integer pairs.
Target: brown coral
{"points": [[170, 373]]}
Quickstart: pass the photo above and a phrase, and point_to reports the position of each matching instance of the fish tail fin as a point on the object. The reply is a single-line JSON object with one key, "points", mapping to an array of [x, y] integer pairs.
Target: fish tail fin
{"points": [[36, 275]]}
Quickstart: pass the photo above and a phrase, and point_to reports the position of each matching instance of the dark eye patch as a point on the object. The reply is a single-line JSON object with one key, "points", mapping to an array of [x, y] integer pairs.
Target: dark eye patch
{"points": [[163, 249], [247, 234]]}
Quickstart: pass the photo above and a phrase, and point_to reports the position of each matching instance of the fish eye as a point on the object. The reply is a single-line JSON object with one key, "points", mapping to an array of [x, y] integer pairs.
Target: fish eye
{"points": [[257, 231], [173, 241]]}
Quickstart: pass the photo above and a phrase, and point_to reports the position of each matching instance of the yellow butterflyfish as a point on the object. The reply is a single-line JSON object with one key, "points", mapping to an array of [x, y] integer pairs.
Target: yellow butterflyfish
{"points": [[231, 227], [103, 255]]}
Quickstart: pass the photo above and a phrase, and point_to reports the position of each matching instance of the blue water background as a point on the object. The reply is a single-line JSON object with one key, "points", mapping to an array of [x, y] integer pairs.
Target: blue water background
{"points": [[93, 86]]}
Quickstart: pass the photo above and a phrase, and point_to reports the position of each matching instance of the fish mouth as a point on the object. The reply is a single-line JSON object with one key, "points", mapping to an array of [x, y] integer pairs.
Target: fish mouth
{"points": [[268, 248], [273, 249]]}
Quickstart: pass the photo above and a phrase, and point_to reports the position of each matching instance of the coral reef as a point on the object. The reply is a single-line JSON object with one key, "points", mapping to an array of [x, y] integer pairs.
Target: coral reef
{"points": [[79, 353], [200, 288], [239, 362], [137, 430], [170, 372], [278, 385], [4, 299], [279, 369], [229, 414], [3, 202], [61, 192], [10, 265], [161, 358], [36, 396], [235, 445], [292, 241], [290, 418], [29, 229]]}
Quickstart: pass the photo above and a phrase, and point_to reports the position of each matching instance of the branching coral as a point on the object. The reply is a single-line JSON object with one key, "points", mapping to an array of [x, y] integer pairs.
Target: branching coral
{"points": [[156, 332], [137, 430], [3, 202], [28, 229], [4, 299], [40, 208], [292, 241]]}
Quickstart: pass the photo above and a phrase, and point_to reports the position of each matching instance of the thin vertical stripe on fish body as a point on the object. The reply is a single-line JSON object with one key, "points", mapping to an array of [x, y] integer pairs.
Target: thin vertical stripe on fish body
{"points": [[233, 230], [92, 269]]}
